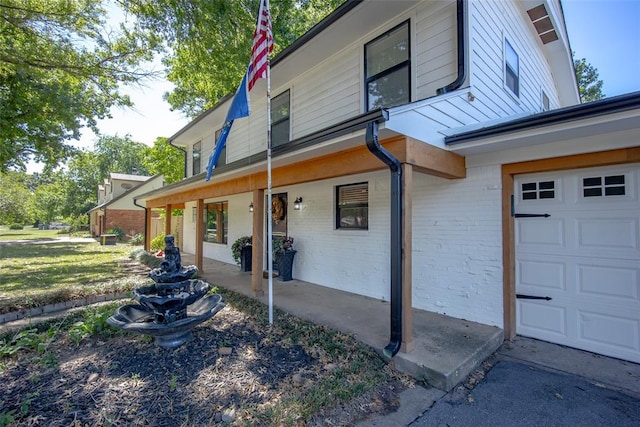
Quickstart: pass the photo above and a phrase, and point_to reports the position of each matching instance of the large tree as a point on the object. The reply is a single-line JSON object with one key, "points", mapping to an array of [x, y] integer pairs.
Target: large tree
{"points": [[164, 159], [15, 198], [589, 83], [210, 41], [60, 67]]}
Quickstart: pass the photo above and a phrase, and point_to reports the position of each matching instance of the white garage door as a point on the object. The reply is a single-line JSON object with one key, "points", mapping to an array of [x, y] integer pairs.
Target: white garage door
{"points": [[578, 270]]}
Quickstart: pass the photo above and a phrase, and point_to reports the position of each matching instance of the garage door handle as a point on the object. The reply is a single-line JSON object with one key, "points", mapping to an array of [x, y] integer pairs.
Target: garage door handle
{"points": [[523, 215], [522, 296]]}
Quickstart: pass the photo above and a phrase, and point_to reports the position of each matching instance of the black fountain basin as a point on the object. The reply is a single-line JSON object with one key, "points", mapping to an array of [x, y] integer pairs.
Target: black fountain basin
{"points": [[169, 301], [141, 319], [161, 276]]}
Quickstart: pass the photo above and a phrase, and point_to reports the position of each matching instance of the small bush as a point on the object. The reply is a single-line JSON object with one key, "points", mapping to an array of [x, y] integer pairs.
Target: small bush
{"points": [[119, 232], [157, 244], [16, 226], [137, 239]]}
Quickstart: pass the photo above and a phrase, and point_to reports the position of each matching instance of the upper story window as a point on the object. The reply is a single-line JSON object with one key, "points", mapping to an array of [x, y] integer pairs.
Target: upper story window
{"points": [[388, 69], [222, 160], [280, 112], [511, 69], [545, 101], [196, 158], [352, 206]]}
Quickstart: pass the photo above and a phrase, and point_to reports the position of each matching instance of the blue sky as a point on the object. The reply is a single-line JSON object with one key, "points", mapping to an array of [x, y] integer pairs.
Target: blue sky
{"points": [[605, 32]]}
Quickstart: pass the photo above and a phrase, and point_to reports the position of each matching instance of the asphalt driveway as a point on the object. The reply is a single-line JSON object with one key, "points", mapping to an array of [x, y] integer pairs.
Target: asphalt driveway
{"points": [[521, 394]]}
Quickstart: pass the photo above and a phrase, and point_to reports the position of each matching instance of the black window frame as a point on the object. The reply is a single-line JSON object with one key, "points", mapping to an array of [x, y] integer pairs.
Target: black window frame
{"points": [[342, 207], [400, 66], [196, 160], [509, 71], [280, 123], [209, 218], [222, 160]]}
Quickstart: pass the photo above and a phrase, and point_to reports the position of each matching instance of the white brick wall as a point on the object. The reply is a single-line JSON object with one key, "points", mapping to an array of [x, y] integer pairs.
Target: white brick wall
{"points": [[457, 245]]}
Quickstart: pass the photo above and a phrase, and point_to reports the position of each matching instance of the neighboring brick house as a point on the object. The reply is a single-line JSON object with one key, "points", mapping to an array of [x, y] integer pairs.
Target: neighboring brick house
{"points": [[116, 203]]}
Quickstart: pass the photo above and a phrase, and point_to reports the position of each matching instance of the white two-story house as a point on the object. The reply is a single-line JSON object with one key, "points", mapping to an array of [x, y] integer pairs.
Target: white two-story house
{"points": [[424, 142]]}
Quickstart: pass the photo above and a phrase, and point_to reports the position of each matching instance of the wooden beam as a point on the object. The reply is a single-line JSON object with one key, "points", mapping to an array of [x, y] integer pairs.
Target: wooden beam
{"points": [[147, 229], [435, 161], [258, 249], [408, 343], [199, 234], [424, 157], [167, 219]]}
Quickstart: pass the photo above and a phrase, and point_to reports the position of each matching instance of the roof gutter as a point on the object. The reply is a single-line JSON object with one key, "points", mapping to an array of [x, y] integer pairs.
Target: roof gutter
{"points": [[462, 74], [146, 212], [395, 340], [185, 155]]}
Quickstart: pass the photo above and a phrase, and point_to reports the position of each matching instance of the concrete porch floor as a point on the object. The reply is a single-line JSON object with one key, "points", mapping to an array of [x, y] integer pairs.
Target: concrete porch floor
{"points": [[446, 349]]}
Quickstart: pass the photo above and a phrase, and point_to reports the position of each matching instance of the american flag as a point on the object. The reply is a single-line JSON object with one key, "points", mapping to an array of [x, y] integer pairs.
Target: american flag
{"points": [[262, 45]]}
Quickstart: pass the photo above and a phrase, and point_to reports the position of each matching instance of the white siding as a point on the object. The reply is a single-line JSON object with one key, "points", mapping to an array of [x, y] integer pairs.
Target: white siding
{"points": [[457, 245], [490, 23], [333, 91], [350, 260], [435, 56]]}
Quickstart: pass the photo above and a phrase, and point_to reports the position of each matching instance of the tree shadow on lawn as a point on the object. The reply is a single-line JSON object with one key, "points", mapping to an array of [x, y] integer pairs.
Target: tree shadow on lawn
{"points": [[58, 249], [127, 380]]}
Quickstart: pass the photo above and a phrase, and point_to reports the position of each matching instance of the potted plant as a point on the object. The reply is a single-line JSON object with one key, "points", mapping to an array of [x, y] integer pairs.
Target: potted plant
{"points": [[283, 254], [241, 250]]}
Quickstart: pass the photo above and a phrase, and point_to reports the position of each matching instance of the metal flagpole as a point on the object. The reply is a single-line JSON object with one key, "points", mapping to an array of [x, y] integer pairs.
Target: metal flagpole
{"points": [[269, 219]]}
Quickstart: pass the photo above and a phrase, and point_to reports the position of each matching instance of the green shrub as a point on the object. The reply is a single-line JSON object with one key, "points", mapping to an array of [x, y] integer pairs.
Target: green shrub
{"points": [[16, 226], [137, 239], [119, 232], [157, 244]]}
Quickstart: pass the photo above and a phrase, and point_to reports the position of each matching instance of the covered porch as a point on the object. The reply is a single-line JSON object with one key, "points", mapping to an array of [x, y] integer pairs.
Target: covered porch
{"points": [[446, 350]]}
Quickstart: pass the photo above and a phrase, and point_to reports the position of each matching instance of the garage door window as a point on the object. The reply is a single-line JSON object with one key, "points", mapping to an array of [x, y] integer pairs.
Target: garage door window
{"points": [[598, 186], [538, 190]]}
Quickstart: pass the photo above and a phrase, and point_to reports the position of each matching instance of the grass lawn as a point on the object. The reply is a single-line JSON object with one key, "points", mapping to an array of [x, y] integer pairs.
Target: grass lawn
{"points": [[29, 233], [37, 274]]}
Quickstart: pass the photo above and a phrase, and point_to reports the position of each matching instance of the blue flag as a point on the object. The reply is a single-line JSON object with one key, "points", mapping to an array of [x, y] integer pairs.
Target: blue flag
{"points": [[239, 108]]}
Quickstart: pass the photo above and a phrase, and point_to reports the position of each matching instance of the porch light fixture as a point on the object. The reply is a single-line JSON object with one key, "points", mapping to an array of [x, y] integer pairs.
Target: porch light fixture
{"points": [[251, 207], [297, 203], [194, 214]]}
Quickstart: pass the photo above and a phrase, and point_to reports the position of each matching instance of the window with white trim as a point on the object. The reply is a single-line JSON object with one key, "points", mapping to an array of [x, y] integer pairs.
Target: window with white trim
{"points": [[511, 69], [352, 206], [388, 69]]}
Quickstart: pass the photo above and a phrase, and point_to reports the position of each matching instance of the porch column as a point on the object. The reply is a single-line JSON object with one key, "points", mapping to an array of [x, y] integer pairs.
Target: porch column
{"points": [[147, 229], [408, 343], [257, 252], [167, 219], [199, 234]]}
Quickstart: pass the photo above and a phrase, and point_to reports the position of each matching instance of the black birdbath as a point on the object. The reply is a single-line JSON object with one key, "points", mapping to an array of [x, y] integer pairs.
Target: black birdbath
{"points": [[171, 307]]}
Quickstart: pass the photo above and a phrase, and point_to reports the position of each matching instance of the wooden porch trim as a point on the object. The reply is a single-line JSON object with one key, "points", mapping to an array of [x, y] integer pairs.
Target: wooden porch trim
{"points": [[423, 157], [199, 234], [147, 229], [167, 219], [258, 250], [408, 343], [509, 171]]}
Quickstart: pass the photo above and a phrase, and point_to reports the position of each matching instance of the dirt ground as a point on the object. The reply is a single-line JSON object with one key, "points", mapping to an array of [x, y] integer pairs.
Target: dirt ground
{"points": [[231, 372]]}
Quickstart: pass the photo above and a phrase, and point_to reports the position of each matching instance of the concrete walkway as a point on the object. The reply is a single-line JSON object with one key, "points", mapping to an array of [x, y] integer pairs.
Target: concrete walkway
{"points": [[446, 351]]}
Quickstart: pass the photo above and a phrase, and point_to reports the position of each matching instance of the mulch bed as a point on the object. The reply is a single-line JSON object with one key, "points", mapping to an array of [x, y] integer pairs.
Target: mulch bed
{"points": [[126, 380]]}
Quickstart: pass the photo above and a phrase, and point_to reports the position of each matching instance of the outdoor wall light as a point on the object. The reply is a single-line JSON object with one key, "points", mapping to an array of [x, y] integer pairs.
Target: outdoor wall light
{"points": [[194, 214], [251, 207], [297, 203]]}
